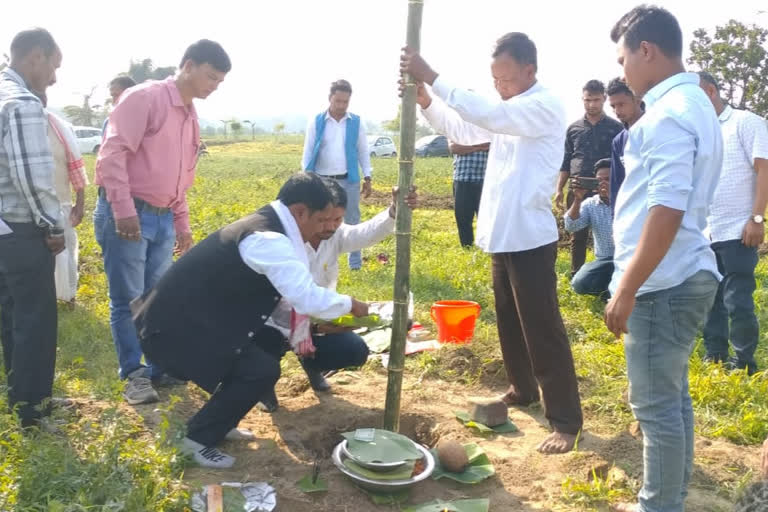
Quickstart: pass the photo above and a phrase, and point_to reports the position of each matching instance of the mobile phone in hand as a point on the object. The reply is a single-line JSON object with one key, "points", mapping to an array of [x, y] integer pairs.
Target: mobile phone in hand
{"points": [[590, 184]]}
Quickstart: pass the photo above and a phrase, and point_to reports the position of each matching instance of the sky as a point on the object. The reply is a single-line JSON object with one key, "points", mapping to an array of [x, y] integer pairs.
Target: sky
{"points": [[285, 54]]}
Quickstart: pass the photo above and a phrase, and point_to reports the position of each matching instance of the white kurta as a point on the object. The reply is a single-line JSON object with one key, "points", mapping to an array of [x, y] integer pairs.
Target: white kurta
{"points": [[324, 262], [527, 134], [282, 259], [66, 275]]}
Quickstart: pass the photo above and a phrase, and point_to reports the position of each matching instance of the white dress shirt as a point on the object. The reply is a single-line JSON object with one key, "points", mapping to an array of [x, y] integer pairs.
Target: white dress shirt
{"points": [[673, 158], [332, 158], [745, 138], [527, 135], [324, 262], [282, 259]]}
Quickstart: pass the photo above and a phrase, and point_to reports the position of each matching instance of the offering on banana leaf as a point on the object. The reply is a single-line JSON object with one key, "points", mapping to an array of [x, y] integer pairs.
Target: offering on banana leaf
{"points": [[379, 315]]}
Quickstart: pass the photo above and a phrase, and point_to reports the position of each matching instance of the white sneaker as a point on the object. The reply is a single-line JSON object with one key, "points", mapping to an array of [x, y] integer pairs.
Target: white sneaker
{"points": [[207, 457], [240, 434]]}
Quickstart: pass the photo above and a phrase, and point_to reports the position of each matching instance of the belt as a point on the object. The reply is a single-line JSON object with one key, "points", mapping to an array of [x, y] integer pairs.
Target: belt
{"points": [[141, 205], [335, 176]]}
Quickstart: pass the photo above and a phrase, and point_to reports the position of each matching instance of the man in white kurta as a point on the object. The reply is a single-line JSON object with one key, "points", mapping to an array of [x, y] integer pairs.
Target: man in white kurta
{"points": [[335, 347], [515, 224]]}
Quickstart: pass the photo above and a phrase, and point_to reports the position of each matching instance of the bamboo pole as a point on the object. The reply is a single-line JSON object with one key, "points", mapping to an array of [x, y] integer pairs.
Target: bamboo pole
{"points": [[403, 231]]}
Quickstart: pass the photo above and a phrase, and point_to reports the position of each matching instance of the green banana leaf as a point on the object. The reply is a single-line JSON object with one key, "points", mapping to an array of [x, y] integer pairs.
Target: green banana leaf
{"points": [[232, 499], [402, 473], [386, 447], [306, 485], [480, 505], [504, 428], [370, 321], [387, 499]]}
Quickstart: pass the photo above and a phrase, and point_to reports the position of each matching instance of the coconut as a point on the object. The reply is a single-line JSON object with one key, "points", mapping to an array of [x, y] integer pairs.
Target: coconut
{"points": [[452, 456]]}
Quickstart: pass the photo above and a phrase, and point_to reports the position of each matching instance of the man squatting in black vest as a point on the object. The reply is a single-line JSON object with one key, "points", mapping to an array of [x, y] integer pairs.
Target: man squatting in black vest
{"points": [[203, 319]]}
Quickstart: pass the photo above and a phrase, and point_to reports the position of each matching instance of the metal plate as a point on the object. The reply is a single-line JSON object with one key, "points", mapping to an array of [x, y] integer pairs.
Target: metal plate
{"points": [[374, 466], [379, 485]]}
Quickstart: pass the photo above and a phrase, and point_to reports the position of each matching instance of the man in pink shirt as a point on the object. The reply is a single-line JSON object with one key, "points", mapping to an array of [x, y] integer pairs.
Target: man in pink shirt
{"points": [[145, 166]]}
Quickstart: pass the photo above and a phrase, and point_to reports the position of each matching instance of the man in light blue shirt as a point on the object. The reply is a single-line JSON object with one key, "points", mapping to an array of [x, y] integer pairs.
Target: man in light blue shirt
{"points": [[666, 274], [594, 212]]}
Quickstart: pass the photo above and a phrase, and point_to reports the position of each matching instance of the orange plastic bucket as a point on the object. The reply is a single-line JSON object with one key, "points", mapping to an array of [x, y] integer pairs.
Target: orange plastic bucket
{"points": [[455, 320]]}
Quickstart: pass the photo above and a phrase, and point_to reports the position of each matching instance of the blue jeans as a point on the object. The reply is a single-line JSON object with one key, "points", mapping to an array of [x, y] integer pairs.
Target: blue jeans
{"points": [[352, 217], [737, 263], [662, 329], [594, 277], [132, 267], [334, 351]]}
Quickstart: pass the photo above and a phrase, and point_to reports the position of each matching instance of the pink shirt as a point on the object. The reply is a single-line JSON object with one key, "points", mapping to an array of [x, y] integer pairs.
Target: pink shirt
{"points": [[150, 151]]}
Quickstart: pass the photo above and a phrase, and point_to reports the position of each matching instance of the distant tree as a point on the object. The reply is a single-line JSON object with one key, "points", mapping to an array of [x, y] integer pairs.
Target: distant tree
{"points": [[86, 114], [253, 128], [143, 70], [210, 131], [226, 122], [279, 128], [422, 130], [738, 59], [236, 128], [163, 72], [393, 125]]}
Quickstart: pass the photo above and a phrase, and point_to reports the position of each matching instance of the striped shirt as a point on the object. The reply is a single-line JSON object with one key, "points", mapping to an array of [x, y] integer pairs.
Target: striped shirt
{"points": [[27, 192], [470, 168]]}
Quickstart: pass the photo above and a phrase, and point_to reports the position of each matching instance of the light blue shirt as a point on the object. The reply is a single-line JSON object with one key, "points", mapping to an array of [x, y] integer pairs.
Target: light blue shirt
{"points": [[598, 215], [673, 158]]}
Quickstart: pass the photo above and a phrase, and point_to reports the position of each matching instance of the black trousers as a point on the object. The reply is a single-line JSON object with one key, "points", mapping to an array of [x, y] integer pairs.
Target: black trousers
{"points": [[334, 351], [533, 340], [253, 375], [578, 243], [466, 202], [28, 319]]}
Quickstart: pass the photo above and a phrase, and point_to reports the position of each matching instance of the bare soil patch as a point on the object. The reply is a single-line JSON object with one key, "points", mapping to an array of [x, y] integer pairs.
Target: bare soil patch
{"points": [[308, 425]]}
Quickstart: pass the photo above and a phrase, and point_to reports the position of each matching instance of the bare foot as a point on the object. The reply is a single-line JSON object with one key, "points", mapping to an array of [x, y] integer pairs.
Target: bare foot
{"points": [[626, 507], [765, 460], [557, 442], [512, 399]]}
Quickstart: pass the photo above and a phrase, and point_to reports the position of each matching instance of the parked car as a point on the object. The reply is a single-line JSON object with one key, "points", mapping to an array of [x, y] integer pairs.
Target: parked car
{"points": [[88, 139], [432, 145], [380, 145]]}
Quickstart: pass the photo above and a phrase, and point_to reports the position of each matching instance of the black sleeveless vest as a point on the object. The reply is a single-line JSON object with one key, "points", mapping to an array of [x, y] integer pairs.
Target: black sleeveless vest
{"points": [[208, 306]]}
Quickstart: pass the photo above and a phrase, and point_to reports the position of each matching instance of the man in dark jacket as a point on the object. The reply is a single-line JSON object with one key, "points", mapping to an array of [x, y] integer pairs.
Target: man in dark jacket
{"points": [[203, 318]]}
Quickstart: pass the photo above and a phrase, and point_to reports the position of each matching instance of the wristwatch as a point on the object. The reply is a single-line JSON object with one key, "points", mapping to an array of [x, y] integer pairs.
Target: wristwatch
{"points": [[758, 219]]}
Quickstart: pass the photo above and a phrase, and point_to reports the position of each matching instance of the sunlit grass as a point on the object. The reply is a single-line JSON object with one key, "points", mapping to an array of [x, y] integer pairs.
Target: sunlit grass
{"points": [[234, 180]]}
